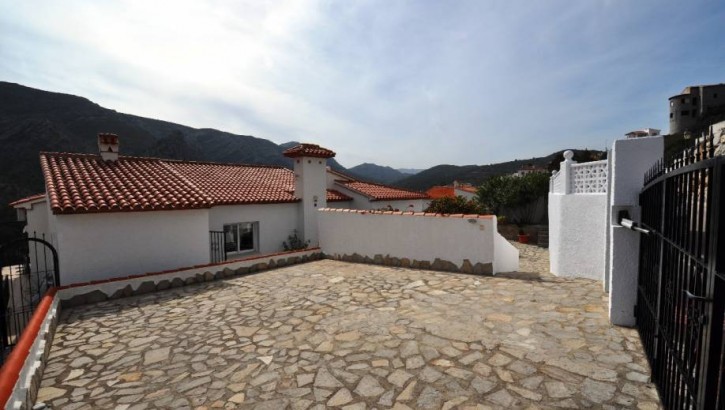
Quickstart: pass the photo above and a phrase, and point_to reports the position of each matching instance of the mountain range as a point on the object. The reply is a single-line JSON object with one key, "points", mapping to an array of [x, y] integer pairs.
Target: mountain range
{"points": [[33, 120]]}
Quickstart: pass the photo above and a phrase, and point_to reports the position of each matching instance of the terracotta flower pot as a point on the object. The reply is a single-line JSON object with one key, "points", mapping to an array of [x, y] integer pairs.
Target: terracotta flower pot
{"points": [[523, 238]]}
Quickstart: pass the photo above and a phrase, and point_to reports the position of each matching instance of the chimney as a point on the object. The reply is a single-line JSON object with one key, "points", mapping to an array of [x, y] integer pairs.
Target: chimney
{"points": [[310, 185], [108, 146]]}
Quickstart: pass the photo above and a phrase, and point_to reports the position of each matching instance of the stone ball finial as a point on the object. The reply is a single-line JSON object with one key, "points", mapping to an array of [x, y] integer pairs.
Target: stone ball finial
{"points": [[568, 155]]}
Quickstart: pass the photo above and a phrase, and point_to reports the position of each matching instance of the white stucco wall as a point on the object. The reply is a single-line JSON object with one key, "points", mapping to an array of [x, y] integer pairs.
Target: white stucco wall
{"points": [[103, 246], [465, 194], [631, 158], [276, 222], [402, 205], [414, 237], [577, 235], [37, 219], [311, 187]]}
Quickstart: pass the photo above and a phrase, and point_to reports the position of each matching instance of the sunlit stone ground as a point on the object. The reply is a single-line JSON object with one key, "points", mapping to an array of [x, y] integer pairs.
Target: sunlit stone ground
{"points": [[335, 334]]}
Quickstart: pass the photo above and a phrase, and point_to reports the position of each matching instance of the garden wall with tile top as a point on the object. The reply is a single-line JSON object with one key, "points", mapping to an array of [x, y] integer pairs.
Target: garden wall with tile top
{"points": [[23, 369], [453, 243], [98, 291]]}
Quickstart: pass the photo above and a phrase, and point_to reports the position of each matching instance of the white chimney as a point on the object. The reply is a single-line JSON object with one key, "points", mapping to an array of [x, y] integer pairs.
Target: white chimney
{"points": [[108, 146]]}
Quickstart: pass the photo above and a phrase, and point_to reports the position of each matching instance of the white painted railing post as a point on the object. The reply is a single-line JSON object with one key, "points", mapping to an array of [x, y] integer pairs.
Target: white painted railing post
{"points": [[565, 169]]}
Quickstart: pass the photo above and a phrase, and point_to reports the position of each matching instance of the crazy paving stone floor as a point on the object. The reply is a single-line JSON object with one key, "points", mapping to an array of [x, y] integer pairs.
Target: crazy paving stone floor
{"points": [[334, 334]]}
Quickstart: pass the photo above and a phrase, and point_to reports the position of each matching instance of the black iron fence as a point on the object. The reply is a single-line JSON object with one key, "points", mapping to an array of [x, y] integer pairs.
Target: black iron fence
{"points": [[29, 267], [217, 248], [681, 291]]}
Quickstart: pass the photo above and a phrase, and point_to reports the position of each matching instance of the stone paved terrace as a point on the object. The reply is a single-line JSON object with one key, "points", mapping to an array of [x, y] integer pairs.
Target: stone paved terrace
{"points": [[354, 336]]}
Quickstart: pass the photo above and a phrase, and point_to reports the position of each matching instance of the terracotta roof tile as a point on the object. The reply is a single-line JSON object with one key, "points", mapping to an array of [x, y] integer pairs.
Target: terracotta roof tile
{"points": [[440, 192], [467, 188], [30, 198], [308, 150], [82, 183], [336, 196], [378, 192]]}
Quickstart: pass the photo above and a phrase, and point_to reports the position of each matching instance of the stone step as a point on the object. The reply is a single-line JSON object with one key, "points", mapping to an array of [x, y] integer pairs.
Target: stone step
{"points": [[543, 240]]}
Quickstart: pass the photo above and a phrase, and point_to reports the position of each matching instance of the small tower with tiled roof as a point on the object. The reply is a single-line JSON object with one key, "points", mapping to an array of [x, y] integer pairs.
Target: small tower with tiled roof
{"points": [[310, 167]]}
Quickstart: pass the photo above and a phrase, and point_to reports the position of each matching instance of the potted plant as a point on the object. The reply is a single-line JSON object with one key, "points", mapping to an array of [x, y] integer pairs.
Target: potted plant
{"points": [[523, 236]]}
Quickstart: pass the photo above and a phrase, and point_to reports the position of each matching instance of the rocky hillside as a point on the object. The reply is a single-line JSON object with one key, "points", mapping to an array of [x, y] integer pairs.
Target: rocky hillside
{"points": [[33, 120], [377, 173], [475, 174]]}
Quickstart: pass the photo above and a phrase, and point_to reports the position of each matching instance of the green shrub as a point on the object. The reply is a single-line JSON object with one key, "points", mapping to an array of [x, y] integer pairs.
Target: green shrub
{"points": [[454, 205], [295, 243], [509, 192]]}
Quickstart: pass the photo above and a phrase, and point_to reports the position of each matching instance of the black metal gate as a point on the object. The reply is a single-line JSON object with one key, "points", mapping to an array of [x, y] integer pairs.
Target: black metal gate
{"points": [[681, 292], [217, 248], [29, 268]]}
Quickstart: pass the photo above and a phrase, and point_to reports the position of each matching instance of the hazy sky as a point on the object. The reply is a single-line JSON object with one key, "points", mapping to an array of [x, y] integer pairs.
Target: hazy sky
{"points": [[405, 84]]}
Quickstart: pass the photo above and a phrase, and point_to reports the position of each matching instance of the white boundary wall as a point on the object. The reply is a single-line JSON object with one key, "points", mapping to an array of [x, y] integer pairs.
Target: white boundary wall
{"points": [[577, 219], [417, 236]]}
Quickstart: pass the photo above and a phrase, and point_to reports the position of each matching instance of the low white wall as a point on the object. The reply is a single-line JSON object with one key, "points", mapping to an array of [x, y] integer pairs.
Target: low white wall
{"points": [[413, 236], [505, 255], [577, 235], [402, 205], [102, 246], [276, 222], [26, 387], [118, 284]]}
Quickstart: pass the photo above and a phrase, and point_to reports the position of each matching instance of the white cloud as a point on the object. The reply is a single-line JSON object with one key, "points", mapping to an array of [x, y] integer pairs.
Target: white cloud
{"points": [[396, 83]]}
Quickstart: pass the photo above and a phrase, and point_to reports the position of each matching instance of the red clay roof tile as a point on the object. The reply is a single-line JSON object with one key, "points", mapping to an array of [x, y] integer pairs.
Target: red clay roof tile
{"points": [[308, 150], [30, 198], [336, 196], [377, 192], [440, 192], [82, 183]]}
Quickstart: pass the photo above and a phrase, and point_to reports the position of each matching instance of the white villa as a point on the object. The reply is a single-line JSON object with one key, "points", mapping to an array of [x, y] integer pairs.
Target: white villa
{"points": [[110, 215]]}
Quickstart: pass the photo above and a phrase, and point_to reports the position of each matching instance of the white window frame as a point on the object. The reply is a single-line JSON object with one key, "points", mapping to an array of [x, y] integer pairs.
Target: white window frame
{"points": [[255, 238]]}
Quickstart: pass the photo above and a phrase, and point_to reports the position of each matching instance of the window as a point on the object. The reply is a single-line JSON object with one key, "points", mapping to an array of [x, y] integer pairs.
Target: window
{"points": [[685, 113], [714, 95], [241, 237], [672, 115], [694, 100]]}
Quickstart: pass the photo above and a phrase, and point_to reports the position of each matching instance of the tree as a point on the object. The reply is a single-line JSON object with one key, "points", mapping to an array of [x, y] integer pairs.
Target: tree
{"points": [[509, 192], [454, 205]]}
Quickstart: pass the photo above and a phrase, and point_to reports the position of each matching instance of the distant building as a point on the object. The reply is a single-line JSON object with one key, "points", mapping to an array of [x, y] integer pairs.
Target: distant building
{"points": [[529, 169], [689, 108], [467, 191], [646, 132]]}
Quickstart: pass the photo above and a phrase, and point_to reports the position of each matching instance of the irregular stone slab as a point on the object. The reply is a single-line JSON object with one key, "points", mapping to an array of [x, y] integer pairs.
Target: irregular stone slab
{"points": [[399, 378], [325, 379], [598, 392], [156, 355], [245, 331], [343, 396], [369, 387], [46, 394], [429, 398], [501, 397], [237, 398]]}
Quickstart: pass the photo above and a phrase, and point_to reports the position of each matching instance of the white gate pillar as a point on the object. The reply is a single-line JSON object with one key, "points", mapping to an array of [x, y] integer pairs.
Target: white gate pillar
{"points": [[630, 159]]}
